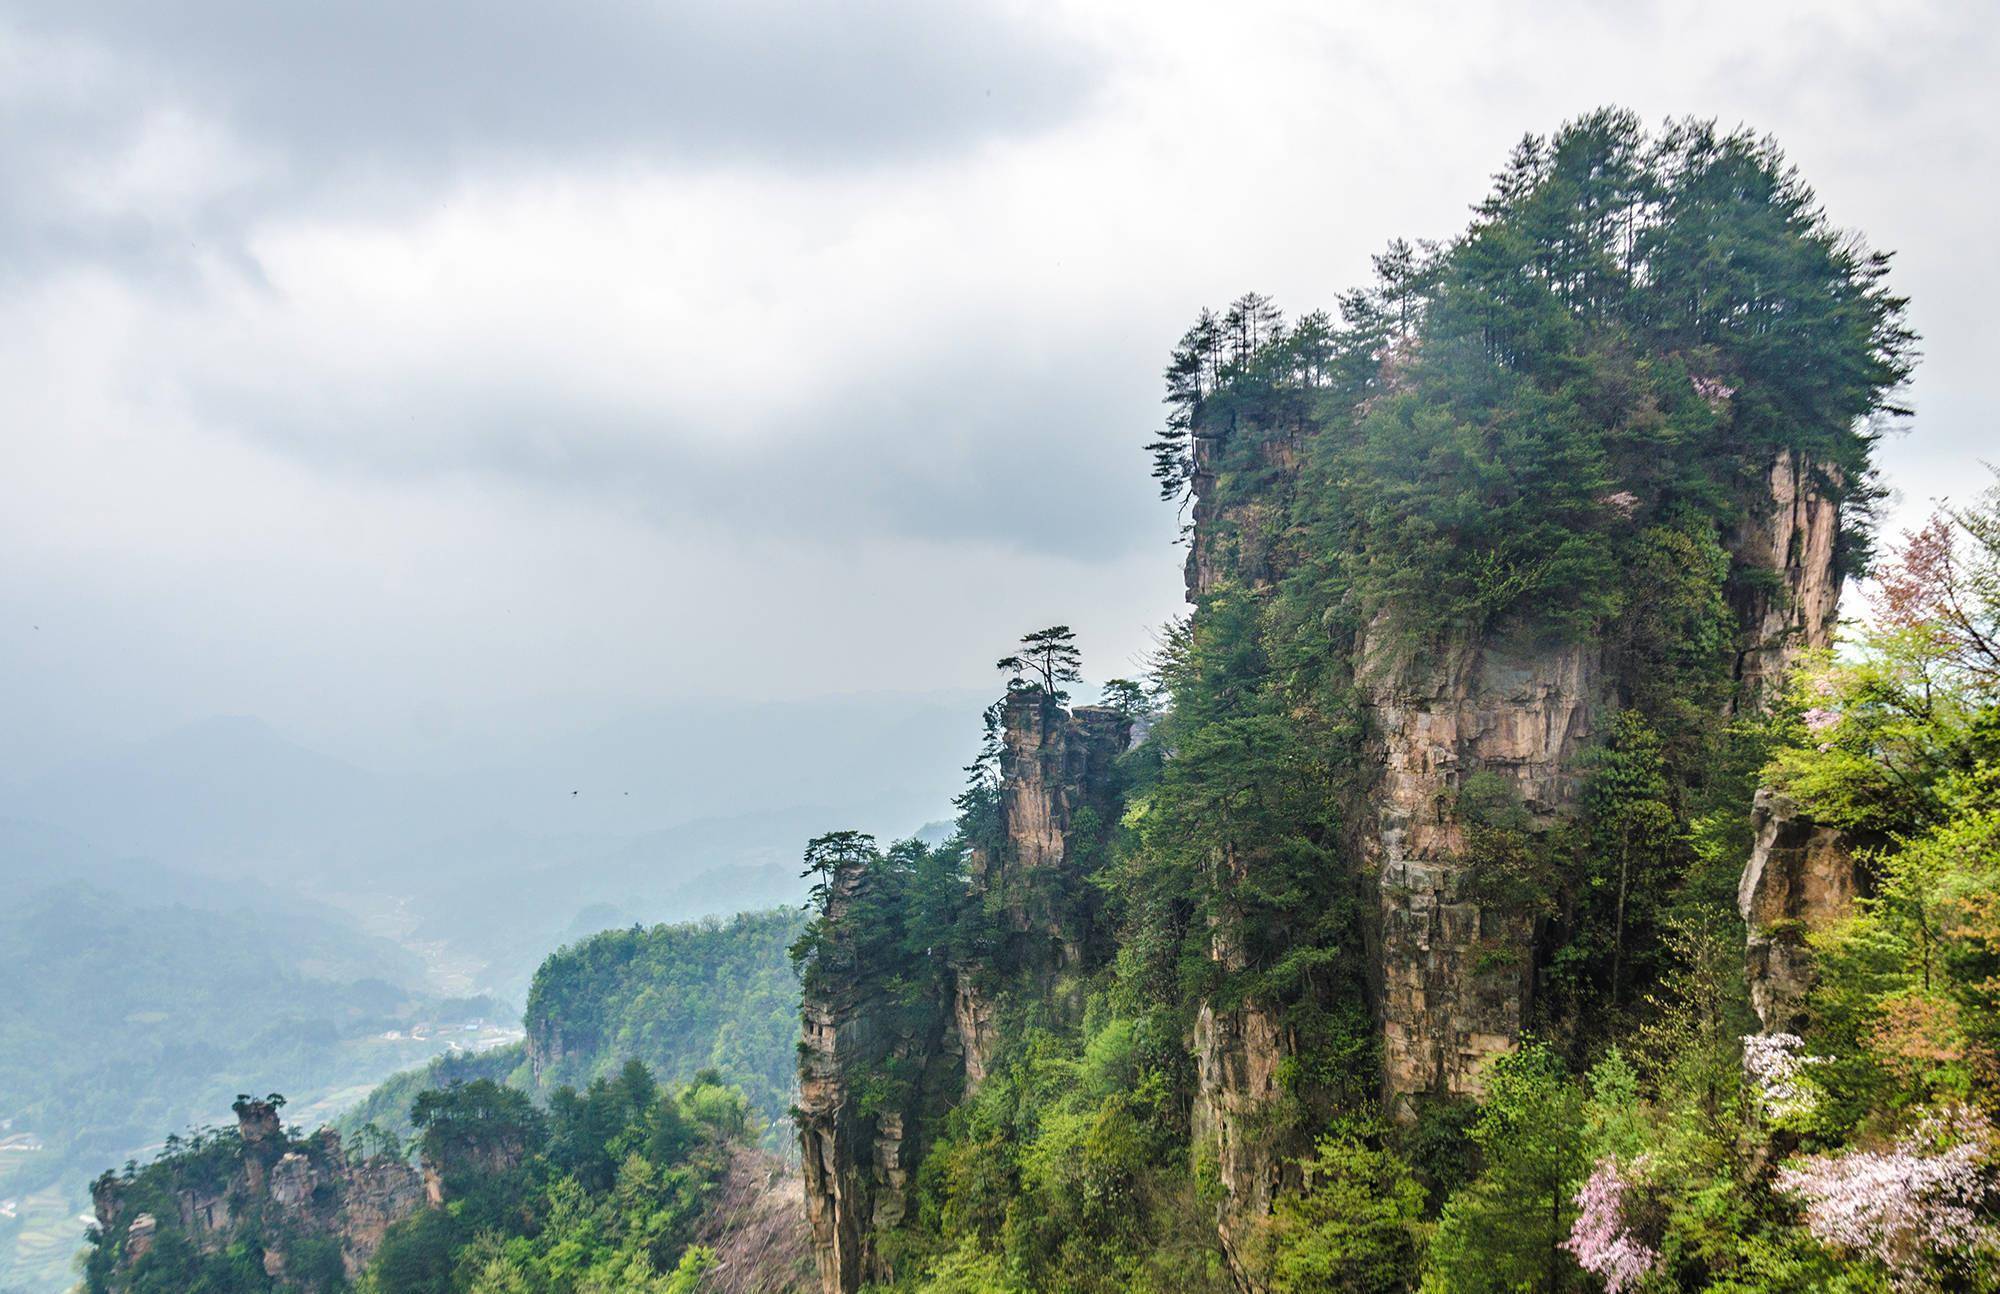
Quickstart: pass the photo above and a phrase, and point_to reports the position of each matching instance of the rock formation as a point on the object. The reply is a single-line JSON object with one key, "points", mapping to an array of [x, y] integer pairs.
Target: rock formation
{"points": [[280, 1188], [855, 1159], [1451, 976], [1055, 800], [1801, 878], [1455, 974]]}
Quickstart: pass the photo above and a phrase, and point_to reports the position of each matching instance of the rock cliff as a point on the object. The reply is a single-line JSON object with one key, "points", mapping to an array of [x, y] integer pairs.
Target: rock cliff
{"points": [[271, 1189], [1801, 877], [861, 1137], [1451, 971], [1455, 974], [1451, 976], [859, 1134]]}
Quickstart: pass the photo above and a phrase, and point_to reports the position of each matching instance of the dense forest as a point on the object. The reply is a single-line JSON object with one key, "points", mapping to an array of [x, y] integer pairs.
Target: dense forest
{"points": [[710, 995], [682, 998], [1404, 947]]}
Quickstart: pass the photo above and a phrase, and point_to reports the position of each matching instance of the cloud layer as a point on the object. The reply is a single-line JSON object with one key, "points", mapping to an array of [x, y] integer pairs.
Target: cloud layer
{"points": [[373, 361]]}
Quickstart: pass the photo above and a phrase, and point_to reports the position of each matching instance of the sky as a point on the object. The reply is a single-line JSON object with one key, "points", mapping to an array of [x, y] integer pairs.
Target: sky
{"points": [[402, 374]]}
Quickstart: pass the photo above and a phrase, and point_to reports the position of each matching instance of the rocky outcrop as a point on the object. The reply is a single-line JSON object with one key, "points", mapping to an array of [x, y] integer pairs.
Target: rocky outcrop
{"points": [[1792, 538], [282, 1189], [1057, 797], [1801, 878], [857, 1154], [1454, 973]]}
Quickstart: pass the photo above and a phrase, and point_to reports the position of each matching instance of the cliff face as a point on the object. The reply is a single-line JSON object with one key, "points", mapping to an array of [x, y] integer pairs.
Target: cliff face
{"points": [[860, 1148], [1056, 800], [857, 1149], [1793, 538], [1450, 974], [1451, 977], [1454, 974], [275, 1189], [1801, 877]]}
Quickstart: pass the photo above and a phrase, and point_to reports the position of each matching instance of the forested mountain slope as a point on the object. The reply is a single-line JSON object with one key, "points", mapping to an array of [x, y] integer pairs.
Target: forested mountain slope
{"points": [[560, 1163], [1420, 940], [702, 995]]}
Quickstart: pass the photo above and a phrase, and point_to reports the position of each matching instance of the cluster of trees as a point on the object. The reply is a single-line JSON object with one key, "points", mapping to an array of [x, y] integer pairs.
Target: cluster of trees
{"points": [[708, 995], [599, 1191], [1549, 427]]}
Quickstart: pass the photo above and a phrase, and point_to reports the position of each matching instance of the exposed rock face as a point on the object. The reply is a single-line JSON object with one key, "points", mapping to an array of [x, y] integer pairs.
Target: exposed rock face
{"points": [[290, 1187], [1451, 976], [1056, 798], [756, 1224], [1801, 878], [1455, 974], [1237, 1053], [1795, 538], [856, 1161]]}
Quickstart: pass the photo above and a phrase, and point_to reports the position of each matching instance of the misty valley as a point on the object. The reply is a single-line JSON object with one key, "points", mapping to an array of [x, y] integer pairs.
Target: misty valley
{"points": [[711, 649]]}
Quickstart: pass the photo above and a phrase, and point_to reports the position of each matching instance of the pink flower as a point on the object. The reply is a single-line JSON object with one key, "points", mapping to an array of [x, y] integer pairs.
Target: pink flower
{"points": [[1599, 1238], [1777, 1071], [1908, 1207], [1819, 720]]}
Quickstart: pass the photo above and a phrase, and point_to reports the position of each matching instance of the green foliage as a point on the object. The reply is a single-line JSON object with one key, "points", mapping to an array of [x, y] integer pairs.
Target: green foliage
{"points": [[1504, 1230], [681, 998], [1353, 1226], [601, 1194], [1065, 1171]]}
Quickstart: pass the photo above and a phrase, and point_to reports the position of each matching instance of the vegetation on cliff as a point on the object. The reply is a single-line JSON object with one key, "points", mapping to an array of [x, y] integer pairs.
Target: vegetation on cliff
{"points": [[707, 995], [603, 1190], [1569, 426], [562, 1163]]}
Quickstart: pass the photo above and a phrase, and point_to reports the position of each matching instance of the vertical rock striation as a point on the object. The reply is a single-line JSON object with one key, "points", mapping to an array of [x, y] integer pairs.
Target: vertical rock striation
{"points": [[1454, 974], [1451, 976], [1057, 797], [1801, 878]]}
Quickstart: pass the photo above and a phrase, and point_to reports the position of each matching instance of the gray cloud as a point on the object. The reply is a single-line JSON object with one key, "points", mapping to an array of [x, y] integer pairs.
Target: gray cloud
{"points": [[395, 83], [1049, 460], [358, 360], [339, 104]]}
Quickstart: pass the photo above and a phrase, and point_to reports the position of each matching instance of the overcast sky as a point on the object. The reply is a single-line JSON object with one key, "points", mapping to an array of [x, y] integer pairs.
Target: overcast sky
{"points": [[381, 368]]}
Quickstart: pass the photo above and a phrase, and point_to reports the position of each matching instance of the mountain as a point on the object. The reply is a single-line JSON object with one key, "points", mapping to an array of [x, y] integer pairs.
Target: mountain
{"points": [[568, 1145], [1485, 904]]}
